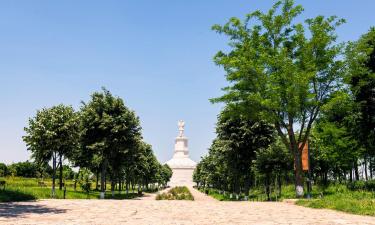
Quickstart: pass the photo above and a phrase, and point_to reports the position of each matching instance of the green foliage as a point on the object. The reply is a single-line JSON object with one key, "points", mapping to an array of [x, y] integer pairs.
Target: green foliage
{"points": [[109, 132], [335, 148], [52, 134], [274, 159], [361, 185], [228, 164], [52, 131], [280, 71], [85, 180], [68, 173], [24, 169], [3, 170], [360, 58], [176, 193], [104, 138]]}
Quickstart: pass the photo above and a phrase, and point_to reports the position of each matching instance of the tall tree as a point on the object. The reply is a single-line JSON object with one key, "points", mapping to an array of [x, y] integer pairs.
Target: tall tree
{"points": [[281, 71], [361, 78], [52, 134], [273, 162], [335, 145], [243, 137], [229, 161], [109, 131]]}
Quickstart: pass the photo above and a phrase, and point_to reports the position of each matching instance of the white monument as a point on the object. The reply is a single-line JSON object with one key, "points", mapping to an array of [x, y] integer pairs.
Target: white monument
{"points": [[181, 165]]}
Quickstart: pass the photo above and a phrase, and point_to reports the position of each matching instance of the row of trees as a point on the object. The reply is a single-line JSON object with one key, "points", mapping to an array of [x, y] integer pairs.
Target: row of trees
{"points": [[30, 169], [295, 80], [103, 137], [344, 135], [245, 154]]}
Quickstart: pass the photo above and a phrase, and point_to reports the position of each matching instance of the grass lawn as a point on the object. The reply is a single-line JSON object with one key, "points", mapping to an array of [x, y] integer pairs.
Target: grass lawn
{"points": [[23, 189], [336, 197]]}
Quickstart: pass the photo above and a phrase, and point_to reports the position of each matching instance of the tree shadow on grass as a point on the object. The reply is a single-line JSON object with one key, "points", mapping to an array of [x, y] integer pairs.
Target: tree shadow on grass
{"points": [[15, 196], [13, 210]]}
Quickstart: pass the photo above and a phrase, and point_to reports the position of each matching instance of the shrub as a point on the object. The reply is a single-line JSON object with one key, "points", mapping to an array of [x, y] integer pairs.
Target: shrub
{"points": [[370, 185], [361, 185], [176, 193]]}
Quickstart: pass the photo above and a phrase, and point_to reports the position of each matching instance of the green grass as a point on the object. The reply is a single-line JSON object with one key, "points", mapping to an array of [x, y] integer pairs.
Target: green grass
{"points": [[24, 189], [337, 197], [176, 193]]}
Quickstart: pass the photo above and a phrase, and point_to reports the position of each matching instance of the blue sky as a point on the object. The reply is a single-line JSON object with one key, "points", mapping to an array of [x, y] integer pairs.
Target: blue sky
{"points": [[156, 55]]}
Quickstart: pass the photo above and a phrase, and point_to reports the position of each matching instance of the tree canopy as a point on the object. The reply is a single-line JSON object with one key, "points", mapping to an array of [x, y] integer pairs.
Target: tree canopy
{"points": [[281, 71]]}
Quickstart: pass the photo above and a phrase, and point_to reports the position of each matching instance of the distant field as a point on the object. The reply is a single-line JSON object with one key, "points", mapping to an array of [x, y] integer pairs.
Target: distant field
{"points": [[336, 197], [22, 189]]}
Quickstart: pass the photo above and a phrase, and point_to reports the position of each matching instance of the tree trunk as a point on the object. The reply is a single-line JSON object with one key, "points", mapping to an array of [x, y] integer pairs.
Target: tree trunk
{"points": [[371, 167], [119, 185], [298, 174], [237, 185], [102, 180], [365, 162], [53, 174], [356, 170], [247, 185], [97, 180], [76, 180], [279, 184], [113, 188], [267, 184], [61, 172]]}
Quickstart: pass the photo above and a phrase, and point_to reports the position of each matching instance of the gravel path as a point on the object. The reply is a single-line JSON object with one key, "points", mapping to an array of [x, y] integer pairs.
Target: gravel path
{"points": [[148, 211]]}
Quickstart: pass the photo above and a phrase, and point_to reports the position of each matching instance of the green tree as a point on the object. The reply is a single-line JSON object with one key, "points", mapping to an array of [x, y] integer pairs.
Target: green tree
{"points": [[361, 79], [3, 170], [108, 132], [335, 147], [229, 161], [273, 161], [242, 137], [166, 173], [281, 71], [24, 169], [52, 134]]}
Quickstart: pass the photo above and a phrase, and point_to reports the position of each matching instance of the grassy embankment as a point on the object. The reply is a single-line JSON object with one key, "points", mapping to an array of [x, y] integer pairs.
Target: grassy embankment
{"points": [[176, 193], [337, 197], [23, 189]]}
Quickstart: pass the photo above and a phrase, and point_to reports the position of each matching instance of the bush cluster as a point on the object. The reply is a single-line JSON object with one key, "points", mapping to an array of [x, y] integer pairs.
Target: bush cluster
{"points": [[361, 185], [176, 193]]}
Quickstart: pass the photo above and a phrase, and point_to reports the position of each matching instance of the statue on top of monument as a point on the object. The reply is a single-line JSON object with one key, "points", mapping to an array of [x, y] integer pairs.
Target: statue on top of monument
{"points": [[181, 128]]}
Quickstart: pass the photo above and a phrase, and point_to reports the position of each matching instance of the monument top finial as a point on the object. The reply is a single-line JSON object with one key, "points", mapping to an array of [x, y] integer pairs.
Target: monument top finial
{"points": [[181, 128]]}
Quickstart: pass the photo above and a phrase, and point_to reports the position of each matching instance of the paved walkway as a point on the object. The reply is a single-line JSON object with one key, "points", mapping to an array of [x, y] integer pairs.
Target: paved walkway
{"points": [[199, 196], [204, 210]]}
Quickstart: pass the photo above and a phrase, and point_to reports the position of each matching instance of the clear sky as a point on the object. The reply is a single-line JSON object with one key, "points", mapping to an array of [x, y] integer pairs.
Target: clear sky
{"points": [[156, 55]]}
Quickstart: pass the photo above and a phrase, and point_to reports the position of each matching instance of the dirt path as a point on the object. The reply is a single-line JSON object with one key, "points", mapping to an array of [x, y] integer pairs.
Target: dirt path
{"points": [[168, 212]]}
